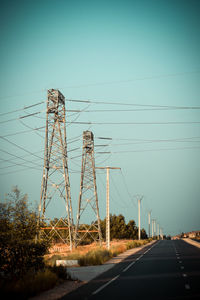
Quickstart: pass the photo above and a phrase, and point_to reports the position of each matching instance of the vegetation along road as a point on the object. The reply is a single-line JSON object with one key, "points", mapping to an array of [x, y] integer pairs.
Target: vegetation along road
{"points": [[165, 270]]}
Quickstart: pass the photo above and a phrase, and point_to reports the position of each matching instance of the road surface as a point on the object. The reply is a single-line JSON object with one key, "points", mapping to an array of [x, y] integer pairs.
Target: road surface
{"points": [[165, 270]]}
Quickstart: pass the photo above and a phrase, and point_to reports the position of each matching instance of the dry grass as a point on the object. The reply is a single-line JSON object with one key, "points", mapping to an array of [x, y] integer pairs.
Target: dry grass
{"points": [[94, 255]]}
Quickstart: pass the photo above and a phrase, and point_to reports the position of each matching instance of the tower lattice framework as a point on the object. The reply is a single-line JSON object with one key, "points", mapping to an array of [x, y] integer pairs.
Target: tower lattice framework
{"points": [[55, 195], [88, 201]]}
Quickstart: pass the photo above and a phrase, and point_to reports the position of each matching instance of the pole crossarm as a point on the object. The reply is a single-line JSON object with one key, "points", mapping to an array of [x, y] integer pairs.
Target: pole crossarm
{"points": [[110, 168]]}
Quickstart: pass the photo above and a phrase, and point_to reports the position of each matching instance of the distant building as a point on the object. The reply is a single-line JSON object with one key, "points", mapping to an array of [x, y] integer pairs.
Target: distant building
{"points": [[191, 235]]}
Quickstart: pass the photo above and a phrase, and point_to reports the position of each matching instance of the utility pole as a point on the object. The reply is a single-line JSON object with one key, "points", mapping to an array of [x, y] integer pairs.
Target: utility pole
{"points": [[155, 227], [108, 203], [149, 221], [158, 231], [139, 227], [161, 233], [152, 223]]}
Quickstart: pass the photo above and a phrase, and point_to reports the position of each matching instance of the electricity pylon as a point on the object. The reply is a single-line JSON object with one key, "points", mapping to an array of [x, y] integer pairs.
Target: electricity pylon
{"points": [[55, 187], [88, 208]]}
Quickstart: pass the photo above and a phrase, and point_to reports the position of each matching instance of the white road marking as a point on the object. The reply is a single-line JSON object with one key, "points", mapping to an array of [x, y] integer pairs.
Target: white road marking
{"points": [[137, 259], [187, 286], [105, 285], [113, 279], [184, 275], [128, 266], [178, 257], [182, 267], [180, 261]]}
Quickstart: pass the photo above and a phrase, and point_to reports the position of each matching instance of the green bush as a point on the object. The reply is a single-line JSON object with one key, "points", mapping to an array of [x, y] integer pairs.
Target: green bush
{"points": [[18, 257]]}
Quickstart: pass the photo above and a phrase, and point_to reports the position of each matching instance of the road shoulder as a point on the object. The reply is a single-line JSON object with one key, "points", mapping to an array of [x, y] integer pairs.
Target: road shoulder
{"points": [[82, 275], [191, 242]]}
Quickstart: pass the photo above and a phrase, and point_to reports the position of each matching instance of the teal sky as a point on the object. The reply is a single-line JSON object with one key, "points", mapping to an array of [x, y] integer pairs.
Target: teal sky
{"points": [[143, 52]]}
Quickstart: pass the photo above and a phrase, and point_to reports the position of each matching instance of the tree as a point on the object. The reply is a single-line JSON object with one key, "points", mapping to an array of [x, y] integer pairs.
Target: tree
{"points": [[117, 227], [23, 221], [18, 227], [132, 230], [143, 234], [120, 230]]}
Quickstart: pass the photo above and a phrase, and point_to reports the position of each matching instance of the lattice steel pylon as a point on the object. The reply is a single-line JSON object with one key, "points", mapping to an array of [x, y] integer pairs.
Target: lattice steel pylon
{"points": [[88, 200], [55, 187]]}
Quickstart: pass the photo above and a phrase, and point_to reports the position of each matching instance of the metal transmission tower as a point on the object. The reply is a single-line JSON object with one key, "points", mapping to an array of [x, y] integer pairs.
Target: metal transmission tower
{"points": [[55, 187], [88, 200]]}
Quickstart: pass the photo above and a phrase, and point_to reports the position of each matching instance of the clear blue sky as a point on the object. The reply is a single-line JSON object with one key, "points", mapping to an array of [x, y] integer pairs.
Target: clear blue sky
{"points": [[143, 52]]}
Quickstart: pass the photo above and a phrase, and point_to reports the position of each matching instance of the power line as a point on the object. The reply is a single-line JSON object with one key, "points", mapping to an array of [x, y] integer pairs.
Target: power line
{"points": [[21, 109], [22, 117], [133, 104], [150, 140], [18, 157], [22, 132], [17, 171], [19, 164], [126, 186], [19, 147], [142, 109], [148, 107], [135, 123], [136, 79], [150, 77], [157, 141], [151, 150], [15, 157]]}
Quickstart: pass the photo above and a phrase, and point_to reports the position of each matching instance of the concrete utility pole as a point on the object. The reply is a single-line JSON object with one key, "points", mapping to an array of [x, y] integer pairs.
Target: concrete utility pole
{"points": [[155, 227], [108, 203], [139, 228], [161, 233], [149, 221], [152, 223], [158, 231]]}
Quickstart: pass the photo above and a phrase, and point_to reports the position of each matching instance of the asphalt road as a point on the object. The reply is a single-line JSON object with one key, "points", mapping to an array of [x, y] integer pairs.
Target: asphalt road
{"points": [[165, 270]]}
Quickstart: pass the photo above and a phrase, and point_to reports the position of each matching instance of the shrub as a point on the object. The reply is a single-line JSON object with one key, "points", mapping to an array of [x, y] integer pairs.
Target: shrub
{"points": [[29, 285], [116, 250], [52, 260], [18, 257], [60, 271], [95, 257]]}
